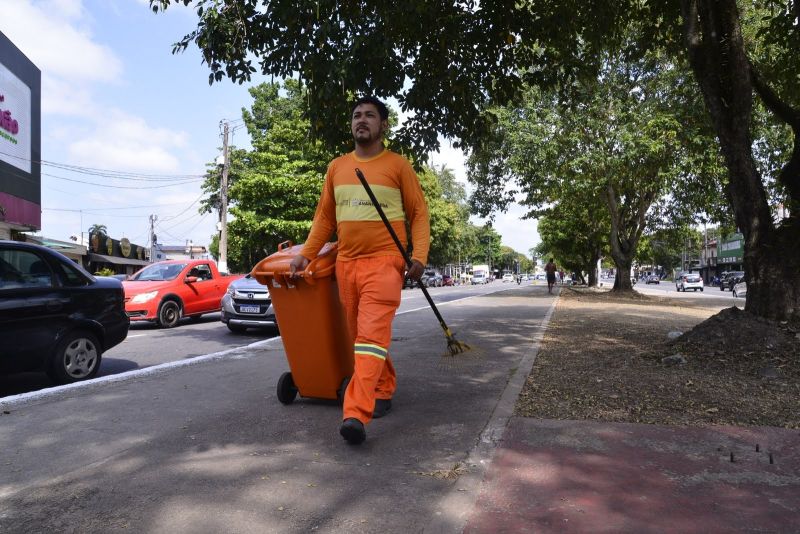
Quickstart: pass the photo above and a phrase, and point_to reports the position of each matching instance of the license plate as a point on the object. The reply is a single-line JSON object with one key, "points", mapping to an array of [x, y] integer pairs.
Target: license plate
{"points": [[249, 309]]}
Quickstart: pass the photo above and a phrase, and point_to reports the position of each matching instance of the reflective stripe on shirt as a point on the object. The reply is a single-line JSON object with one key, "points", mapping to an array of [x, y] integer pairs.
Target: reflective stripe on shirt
{"points": [[353, 203]]}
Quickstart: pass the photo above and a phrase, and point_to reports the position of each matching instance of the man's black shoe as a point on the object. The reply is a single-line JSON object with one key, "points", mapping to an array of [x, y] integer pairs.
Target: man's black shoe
{"points": [[353, 431], [382, 407]]}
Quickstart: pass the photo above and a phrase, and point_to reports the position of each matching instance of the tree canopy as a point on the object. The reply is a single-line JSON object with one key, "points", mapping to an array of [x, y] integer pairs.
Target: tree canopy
{"points": [[486, 52]]}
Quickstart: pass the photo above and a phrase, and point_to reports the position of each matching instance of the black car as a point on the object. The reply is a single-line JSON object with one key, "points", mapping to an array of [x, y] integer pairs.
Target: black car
{"points": [[55, 316], [408, 283], [730, 279]]}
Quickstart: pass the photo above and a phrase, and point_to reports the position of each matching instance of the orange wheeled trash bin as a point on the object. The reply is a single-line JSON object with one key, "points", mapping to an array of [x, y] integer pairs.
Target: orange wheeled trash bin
{"points": [[312, 324]]}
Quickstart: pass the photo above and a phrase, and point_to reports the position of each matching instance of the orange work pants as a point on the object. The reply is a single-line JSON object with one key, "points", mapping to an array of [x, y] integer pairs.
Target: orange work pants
{"points": [[369, 289]]}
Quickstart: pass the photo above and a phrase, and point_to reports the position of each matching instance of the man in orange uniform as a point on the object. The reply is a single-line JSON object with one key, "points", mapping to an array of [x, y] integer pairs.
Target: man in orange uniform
{"points": [[369, 268]]}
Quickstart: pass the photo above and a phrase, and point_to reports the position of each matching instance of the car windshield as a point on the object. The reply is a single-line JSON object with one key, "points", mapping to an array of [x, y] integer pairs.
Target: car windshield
{"points": [[156, 272]]}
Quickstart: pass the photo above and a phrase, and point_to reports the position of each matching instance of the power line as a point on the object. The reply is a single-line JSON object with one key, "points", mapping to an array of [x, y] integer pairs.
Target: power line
{"points": [[123, 186], [187, 208], [151, 206], [107, 173]]}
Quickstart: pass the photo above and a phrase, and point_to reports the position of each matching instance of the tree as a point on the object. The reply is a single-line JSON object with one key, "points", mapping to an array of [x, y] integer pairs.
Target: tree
{"points": [[577, 234], [618, 144], [274, 187], [444, 79], [448, 218], [99, 229], [728, 78]]}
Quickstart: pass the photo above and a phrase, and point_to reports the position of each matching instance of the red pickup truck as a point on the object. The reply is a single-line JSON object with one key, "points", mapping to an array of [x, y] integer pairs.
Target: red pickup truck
{"points": [[168, 290]]}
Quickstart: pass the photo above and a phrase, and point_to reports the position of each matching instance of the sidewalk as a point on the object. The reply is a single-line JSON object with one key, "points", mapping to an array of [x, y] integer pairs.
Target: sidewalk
{"points": [[208, 448]]}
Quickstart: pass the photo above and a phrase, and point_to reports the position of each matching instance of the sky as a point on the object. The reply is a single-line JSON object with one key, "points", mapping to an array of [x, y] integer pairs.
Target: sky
{"points": [[115, 98]]}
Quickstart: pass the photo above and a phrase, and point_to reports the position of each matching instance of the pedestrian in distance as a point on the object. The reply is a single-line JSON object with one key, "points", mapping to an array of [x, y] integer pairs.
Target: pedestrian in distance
{"points": [[550, 269], [369, 267]]}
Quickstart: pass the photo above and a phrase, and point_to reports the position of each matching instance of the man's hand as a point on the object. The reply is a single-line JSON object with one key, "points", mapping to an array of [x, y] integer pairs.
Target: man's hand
{"points": [[298, 265], [416, 270]]}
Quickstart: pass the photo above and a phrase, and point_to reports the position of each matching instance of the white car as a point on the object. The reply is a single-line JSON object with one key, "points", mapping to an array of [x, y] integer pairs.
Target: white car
{"points": [[691, 281], [478, 279], [508, 277], [740, 290]]}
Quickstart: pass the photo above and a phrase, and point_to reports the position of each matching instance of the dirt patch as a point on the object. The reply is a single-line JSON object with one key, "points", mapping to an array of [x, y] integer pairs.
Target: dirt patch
{"points": [[608, 357]]}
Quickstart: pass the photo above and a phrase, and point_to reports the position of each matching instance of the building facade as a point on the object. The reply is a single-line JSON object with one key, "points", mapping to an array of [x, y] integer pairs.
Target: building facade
{"points": [[20, 143]]}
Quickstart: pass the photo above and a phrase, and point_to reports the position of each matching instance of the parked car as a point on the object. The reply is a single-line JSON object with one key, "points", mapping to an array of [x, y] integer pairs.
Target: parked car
{"points": [[740, 290], [508, 277], [247, 304], [55, 316], [408, 283], [168, 290], [730, 279], [691, 281], [432, 279], [653, 279]]}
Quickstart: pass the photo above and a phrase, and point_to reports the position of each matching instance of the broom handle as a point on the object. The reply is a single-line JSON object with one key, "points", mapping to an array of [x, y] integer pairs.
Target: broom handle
{"points": [[400, 247]]}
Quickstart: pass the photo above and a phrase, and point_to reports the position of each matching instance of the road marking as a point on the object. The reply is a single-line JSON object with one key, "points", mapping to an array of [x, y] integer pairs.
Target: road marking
{"points": [[438, 304], [137, 373]]}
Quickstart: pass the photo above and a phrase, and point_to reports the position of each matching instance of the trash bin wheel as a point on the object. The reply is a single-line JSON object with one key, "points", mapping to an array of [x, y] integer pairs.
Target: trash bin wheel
{"points": [[342, 389], [287, 391]]}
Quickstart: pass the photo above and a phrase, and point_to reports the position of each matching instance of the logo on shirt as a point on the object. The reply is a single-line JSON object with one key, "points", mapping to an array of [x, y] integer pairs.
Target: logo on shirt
{"points": [[357, 202]]}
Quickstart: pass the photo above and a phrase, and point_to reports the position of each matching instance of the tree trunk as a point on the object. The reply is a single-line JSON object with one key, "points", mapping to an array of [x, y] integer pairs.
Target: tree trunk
{"points": [[592, 269], [622, 280], [625, 233], [721, 67]]}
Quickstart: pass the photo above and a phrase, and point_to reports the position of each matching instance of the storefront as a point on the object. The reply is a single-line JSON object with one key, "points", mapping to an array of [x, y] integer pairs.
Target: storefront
{"points": [[730, 254], [120, 256]]}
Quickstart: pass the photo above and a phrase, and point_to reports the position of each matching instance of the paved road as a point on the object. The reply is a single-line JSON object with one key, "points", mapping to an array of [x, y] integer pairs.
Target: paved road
{"points": [[208, 448], [148, 345], [667, 289]]}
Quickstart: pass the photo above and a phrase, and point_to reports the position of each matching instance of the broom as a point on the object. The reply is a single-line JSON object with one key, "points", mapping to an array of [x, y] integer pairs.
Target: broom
{"points": [[454, 347]]}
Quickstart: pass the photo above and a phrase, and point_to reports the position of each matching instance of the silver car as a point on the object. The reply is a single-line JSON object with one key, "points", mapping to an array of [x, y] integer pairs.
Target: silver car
{"points": [[247, 304], [740, 290]]}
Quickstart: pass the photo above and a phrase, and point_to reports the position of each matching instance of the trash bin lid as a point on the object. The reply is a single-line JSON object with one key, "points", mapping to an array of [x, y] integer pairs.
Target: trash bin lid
{"points": [[277, 264]]}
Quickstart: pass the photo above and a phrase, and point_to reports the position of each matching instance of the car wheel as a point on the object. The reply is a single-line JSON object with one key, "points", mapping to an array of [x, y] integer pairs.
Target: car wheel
{"points": [[77, 357], [701, 290], [236, 328], [169, 314], [287, 391]]}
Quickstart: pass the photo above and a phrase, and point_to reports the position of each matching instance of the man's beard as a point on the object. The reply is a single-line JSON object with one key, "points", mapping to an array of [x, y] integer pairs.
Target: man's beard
{"points": [[365, 137]]}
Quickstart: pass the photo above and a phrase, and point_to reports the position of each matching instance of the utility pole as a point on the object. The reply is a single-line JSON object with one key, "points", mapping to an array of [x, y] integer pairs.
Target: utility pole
{"points": [[222, 264], [153, 219]]}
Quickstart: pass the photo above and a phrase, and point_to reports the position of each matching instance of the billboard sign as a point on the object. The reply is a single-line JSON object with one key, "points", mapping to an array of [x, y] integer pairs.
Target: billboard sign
{"points": [[20, 139], [15, 121]]}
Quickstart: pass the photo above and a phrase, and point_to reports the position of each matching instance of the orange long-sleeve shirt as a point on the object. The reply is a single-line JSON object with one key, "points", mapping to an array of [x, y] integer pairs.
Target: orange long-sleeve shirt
{"points": [[345, 207]]}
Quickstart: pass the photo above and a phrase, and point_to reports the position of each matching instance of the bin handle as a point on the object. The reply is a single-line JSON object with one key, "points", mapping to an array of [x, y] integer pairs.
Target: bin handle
{"points": [[307, 274]]}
